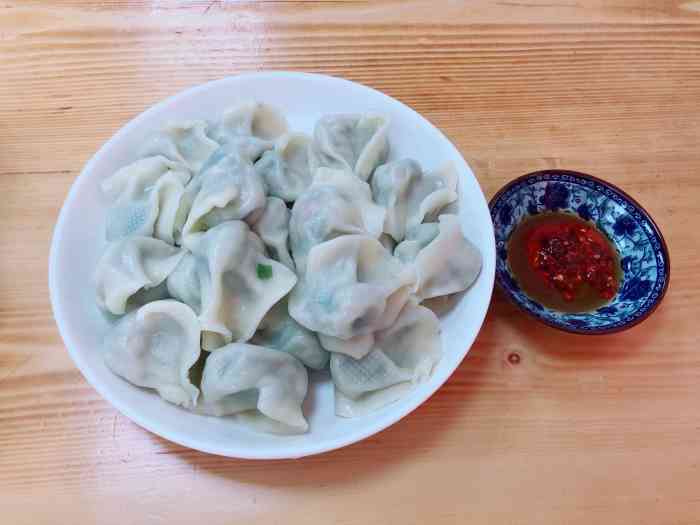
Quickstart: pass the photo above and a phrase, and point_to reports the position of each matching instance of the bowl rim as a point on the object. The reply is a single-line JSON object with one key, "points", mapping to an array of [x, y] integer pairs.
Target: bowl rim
{"points": [[184, 439], [655, 227]]}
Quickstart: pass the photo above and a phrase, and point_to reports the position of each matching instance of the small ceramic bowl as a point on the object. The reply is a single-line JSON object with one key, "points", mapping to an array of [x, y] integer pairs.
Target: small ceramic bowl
{"points": [[642, 249]]}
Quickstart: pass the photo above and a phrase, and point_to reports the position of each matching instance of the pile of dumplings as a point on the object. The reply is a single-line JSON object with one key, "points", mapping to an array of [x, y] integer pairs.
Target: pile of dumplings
{"points": [[240, 254]]}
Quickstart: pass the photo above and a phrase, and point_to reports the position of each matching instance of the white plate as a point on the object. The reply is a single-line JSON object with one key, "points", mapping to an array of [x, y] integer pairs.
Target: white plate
{"points": [[78, 242]]}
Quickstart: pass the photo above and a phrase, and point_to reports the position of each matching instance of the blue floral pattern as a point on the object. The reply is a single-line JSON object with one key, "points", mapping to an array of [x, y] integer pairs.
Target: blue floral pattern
{"points": [[644, 260], [505, 214], [624, 225], [584, 211], [555, 197]]}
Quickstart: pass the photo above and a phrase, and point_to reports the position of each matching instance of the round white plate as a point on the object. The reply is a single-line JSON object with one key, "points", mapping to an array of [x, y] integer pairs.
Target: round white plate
{"points": [[79, 240]]}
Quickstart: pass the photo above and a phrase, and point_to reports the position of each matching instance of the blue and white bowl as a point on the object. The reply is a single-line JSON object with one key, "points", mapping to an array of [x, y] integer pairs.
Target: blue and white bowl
{"points": [[643, 252]]}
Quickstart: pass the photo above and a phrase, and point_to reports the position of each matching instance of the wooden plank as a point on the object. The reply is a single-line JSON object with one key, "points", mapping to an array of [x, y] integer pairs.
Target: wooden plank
{"points": [[579, 431]]}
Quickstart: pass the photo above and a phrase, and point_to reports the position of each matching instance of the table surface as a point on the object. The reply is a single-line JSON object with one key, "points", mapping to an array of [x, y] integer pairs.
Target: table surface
{"points": [[582, 430]]}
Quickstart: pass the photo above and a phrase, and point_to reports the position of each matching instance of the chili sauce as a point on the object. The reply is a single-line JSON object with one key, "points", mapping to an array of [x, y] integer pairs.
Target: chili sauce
{"points": [[564, 263]]}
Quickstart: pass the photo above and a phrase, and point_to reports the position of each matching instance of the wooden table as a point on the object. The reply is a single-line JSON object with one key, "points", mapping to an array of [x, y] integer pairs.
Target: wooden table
{"points": [[582, 430]]}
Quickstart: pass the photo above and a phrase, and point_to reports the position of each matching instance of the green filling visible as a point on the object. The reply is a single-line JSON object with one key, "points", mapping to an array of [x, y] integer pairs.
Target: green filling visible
{"points": [[264, 271]]}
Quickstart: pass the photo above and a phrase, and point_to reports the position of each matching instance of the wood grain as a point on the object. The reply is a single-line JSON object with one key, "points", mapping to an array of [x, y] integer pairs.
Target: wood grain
{"points": [[581, 431]]}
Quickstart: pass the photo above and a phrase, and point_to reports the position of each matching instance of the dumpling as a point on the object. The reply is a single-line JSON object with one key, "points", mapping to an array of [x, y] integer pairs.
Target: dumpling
{"points": [[352, 287], [246, 148], [249, 118], [273, 229], [226, 190], [138, 176], [148, 295], [186, 281], [357, 143], [286, 169], [337, 203], [280, 332], [356, 347], [403, 356], [146, 197], [388, 242], [411, 196], [132, 264], [229, 281], [242, 377], [184, 142], [417, 238], [448, 264], [155, 347]]}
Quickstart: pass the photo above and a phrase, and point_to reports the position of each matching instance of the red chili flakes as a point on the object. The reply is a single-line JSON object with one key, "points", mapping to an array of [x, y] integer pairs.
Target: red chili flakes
{"points": [[569, 255]]}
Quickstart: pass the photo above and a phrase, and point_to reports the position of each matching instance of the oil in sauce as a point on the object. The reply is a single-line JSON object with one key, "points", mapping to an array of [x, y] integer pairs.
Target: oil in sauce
{"points": [[564, 263]]}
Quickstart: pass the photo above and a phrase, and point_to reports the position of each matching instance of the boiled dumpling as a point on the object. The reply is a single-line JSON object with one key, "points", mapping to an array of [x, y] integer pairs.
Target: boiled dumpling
{"points": [[186, 281], [138, 176], [132, 264], [249, 118], [447, 264], [228, 189], [209, 231], [403, 355], [146, 197], [388, 242], [356, 347], [248, 149], [411, 196], [229, 281], [286, 169], [352, 287], [273, 229], [148, 295], [242, 377], [279, 331], [356, 143], [337, 203], [184, 142], [418, 238], [155, 347]]}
